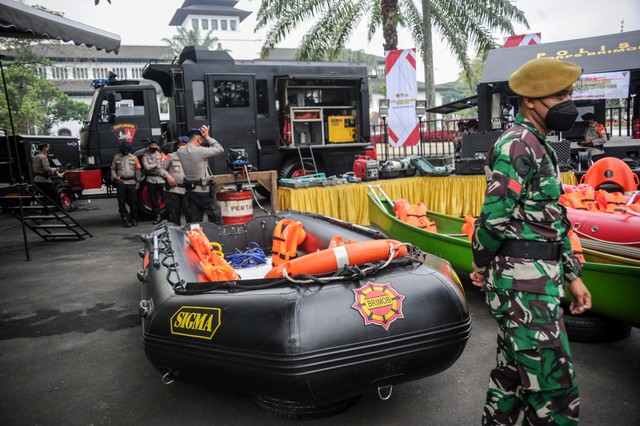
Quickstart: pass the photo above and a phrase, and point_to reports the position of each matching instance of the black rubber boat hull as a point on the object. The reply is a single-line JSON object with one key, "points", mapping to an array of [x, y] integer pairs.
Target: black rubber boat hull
{"points": [[308, 343]]}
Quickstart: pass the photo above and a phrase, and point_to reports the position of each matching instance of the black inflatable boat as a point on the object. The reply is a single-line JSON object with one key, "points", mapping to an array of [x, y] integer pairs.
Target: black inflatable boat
{"points": [[304, 345]]}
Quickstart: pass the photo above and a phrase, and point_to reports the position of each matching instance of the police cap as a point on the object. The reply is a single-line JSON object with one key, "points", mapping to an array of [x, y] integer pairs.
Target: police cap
{"points": [[588, 116], [42, 145], [127, 145], [183, 139], [151, 141], [543, 77], [194, 131]]}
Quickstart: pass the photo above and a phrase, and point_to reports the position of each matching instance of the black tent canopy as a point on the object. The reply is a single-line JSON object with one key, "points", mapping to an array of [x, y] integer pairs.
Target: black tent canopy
{"points": [[454, 106], [608, 53], [19, 20]]}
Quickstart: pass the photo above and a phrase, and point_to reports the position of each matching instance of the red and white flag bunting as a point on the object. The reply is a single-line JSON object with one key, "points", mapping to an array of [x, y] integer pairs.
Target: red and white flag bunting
{"points": [[402, 91], [523, 40]]}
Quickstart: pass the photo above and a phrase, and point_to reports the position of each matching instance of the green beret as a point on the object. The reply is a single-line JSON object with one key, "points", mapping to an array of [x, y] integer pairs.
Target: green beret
{"points": [[543, 77]]}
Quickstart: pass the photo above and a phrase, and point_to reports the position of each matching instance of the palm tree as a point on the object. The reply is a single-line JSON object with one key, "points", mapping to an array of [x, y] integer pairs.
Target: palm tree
{"points": [[461, 24], [189, 38]]}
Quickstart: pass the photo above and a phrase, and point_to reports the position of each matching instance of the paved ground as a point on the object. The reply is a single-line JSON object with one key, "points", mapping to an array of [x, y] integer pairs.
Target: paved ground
{"points": [[71, 349]]}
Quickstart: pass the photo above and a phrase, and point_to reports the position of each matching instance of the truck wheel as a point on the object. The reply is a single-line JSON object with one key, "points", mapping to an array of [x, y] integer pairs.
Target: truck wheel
{"points": [[592, 328], [292, 168], [144, 201], [66, 198], [294, 410]]}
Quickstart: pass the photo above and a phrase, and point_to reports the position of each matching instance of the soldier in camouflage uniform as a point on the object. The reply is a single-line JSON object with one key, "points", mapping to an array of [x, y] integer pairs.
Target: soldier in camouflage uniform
{"points": [[522, 256]]}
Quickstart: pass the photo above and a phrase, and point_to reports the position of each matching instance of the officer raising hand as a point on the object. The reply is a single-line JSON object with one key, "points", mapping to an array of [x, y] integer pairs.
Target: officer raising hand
{"points": [[199, 182]]}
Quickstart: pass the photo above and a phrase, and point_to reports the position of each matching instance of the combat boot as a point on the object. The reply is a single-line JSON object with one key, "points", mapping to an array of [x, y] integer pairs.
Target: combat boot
{"points": [[126, 223]]}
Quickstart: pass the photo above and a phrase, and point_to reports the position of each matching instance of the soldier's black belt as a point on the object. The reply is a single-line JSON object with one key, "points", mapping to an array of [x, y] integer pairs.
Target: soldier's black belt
{"points": [[532, 249]]}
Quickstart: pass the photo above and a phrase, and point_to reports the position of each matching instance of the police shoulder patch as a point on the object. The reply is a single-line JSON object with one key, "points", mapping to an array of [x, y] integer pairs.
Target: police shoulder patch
{"points": [[522, 164]]}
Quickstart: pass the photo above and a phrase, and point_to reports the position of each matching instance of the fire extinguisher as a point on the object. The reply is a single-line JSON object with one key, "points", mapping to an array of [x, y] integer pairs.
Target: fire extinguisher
{"points": [[636, 128]]}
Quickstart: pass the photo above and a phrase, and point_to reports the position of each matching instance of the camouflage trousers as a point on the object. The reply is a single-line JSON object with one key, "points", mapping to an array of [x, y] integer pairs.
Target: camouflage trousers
{"points": [[533, 381]]}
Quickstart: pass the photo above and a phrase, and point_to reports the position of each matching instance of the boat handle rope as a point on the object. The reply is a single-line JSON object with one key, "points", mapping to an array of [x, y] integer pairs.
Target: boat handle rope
{"points": [[388, 389], [168, 378]]}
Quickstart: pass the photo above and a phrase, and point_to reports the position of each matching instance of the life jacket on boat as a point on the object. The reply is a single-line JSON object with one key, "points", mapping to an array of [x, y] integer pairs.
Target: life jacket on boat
{"points": [[213, 266], [336, 258], [609, 201], [287, 236], [467, 228], [414, 214], [576, 246], [338, 241]]}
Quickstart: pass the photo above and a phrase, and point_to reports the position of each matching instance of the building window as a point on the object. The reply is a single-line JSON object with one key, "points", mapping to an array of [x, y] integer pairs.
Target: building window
{"points": [[194, 24], [223, 24], [233, 25], [214, 24], [199, 101], [205, 24]]}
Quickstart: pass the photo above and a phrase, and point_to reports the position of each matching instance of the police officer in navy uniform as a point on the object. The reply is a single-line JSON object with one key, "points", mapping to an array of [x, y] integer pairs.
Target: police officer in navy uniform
{"points": [[198, 179], [175, 198], [42, 173], [152, 164], [126, 174]]}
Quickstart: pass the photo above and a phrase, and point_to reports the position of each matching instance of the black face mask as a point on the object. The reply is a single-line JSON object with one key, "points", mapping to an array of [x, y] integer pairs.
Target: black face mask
{"points": [[155, 149], [561, 116], [125, 151]]}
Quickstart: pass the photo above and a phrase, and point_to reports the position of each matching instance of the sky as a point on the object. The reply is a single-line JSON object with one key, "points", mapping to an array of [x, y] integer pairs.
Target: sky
{"points": [[146, 22]]}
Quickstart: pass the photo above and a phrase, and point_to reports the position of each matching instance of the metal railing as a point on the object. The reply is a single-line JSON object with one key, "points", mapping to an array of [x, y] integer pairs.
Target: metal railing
{"points": [[436, 140]]}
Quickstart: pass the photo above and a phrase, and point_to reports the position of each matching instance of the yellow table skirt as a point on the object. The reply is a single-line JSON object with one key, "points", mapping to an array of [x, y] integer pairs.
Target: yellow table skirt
{"points": [[452, 195]]}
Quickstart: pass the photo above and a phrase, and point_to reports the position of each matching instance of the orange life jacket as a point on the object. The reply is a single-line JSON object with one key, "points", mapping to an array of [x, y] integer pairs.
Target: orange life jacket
{"points": [[287, 236], [467, 228], [576, 246], [414, 214], [214, 267], [608, 201]]}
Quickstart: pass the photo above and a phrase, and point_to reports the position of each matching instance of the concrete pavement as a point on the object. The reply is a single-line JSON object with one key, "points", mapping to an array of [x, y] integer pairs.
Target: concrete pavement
{"points": [[71, 349]]}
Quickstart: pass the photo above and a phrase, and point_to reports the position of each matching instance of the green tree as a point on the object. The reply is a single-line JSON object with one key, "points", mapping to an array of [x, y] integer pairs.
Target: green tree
{"points": [[462, 24], [189, 38], [36, 103]]}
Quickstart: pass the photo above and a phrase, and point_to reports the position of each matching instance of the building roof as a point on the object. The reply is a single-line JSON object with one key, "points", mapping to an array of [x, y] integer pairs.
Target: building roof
{"points": [[207, 7], [65, 52]]}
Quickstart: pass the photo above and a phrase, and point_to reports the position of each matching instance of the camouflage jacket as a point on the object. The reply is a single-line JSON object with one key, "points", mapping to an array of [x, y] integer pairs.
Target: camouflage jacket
{"points": [[521, 203]]}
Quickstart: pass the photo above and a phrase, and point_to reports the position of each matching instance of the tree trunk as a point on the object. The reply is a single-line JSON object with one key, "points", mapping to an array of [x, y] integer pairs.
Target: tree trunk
{"points": [[389, 24], [428, 55]]}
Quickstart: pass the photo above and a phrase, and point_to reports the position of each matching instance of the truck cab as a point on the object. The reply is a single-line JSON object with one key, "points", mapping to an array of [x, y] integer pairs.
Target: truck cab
{"points": [[120, 111]]}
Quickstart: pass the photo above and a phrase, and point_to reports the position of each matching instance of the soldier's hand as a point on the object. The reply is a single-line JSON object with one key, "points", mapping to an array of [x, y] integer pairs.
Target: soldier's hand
{"points": [[580, 297], [477, 278], [204, 129], [171, 181]]}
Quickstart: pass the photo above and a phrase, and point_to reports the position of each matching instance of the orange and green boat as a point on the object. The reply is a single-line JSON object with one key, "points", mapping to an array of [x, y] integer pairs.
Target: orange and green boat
{"points": [[614, 281]]}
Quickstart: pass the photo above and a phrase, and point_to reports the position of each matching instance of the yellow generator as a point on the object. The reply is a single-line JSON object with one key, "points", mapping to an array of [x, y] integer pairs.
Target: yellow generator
{"points": [[342, 128]]}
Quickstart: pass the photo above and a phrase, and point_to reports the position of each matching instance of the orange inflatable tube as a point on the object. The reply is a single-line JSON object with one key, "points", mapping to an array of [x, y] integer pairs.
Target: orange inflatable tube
{"points": [[335, 258]]}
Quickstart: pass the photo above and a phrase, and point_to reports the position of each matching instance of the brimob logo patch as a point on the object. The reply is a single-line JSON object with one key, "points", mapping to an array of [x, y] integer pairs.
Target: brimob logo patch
{"points": [[379, 304]]}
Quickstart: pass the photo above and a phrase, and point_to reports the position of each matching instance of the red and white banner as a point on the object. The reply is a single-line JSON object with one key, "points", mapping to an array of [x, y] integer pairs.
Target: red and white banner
{"points": [[522, 40], [610, 85], [402, 91]]}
